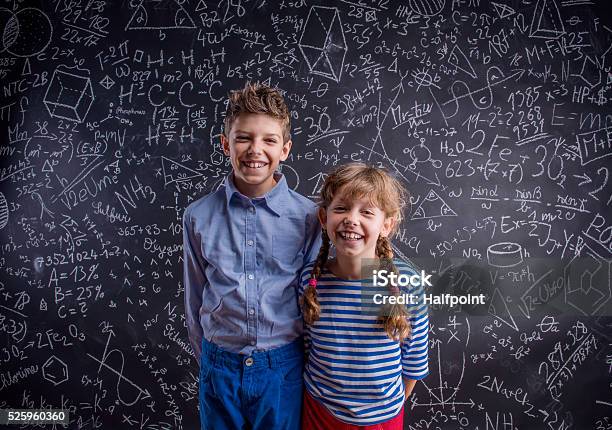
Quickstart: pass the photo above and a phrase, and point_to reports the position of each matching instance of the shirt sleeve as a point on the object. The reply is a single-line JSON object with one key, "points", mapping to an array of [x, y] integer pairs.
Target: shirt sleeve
{"points": [[415, 349], [195, 281], [313, 241]]}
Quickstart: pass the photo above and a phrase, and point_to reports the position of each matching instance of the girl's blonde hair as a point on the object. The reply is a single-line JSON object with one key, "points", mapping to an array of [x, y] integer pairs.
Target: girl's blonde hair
{"points": [[354, 181]]}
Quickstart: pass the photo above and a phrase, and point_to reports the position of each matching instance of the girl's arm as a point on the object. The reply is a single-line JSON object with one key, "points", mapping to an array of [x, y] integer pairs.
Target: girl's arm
{"points": [[409, 386], [415, 349]]}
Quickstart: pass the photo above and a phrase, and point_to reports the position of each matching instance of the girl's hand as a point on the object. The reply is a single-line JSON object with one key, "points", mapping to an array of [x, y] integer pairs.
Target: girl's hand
{"points": [[408, 386]]}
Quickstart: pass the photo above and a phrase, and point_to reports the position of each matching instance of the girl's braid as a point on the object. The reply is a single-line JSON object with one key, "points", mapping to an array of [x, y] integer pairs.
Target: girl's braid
{"points": [[394, 317], [309, 301]]}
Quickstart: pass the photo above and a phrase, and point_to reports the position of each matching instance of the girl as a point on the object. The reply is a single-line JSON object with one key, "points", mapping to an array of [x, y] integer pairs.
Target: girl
{"points": [[361, 365]]}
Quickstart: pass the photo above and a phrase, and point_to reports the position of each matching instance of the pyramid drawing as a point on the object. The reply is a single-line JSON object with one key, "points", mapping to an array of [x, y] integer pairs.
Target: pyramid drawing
{"points": [[503, 10], [160, 15], [433, 206], [322, 42], [546, 22]]}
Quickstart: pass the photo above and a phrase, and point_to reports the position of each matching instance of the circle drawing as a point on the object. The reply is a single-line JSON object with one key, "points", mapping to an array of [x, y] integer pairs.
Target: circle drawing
{"points": [[427, 7], [8, 31], [26, 32]]}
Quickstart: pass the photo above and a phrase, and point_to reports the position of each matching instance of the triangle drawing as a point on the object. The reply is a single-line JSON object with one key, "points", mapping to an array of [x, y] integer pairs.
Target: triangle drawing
{"points": [[458, 59], [27, 69], [176, 172], [433, 206], [201, 6], [160, 15], [47, 167], [499, 309]]}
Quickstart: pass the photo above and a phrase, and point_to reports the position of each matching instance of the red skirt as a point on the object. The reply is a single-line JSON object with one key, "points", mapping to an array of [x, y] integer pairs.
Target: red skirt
{"points": [[315, 416]]}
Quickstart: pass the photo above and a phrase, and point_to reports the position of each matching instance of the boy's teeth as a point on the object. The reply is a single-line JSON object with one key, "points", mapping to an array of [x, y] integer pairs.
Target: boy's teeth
{"points": [[254, 164]]}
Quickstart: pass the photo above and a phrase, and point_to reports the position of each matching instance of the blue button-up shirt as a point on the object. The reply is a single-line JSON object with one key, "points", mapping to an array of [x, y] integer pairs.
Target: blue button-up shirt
{"points": [[242, 260]]}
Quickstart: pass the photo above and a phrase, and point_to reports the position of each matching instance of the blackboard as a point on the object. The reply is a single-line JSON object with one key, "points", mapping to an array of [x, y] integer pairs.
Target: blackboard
{"points": [[495, 115]]}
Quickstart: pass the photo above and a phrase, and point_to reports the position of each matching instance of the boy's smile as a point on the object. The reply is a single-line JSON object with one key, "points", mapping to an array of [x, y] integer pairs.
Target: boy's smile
{"points": [[255, 147]]}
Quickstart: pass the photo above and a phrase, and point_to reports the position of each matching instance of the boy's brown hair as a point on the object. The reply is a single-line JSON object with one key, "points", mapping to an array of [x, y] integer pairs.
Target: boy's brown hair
{"points": [[259, 99]]}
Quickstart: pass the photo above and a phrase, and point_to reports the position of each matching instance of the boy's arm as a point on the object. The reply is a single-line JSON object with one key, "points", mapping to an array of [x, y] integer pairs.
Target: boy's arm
{"points": [[195, 280], [312, 242]]}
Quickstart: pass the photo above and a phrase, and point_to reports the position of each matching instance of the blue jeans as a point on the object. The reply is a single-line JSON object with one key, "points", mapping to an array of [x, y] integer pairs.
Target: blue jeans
{"points": [[260, 391]]}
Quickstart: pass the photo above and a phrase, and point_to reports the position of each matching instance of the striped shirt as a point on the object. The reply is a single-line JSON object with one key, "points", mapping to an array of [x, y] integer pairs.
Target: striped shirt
{"points": [[354, 369]]}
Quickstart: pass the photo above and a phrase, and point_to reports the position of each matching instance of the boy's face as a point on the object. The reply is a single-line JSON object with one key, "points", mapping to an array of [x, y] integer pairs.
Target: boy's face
{"points": [[255, 147]]}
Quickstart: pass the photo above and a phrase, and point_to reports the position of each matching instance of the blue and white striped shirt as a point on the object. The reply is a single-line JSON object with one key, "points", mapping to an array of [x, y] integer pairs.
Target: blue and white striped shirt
{"points": [[354, 369]]}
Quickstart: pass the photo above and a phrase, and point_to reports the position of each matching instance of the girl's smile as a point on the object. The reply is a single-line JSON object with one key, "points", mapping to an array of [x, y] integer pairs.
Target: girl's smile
{"points": [[354, 225]]}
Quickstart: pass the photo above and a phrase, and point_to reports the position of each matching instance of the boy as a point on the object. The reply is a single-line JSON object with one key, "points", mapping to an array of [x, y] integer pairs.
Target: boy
{"points": [[244, 248]]}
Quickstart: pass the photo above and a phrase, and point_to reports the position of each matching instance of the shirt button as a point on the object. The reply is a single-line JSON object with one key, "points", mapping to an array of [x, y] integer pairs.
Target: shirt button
{"points": [[251, 311], [248, 361], [251, 209], [250, 276], [250, 243]]}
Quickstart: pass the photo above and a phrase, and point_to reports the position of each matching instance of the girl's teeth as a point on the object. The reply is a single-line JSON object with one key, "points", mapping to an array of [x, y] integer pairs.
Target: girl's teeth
{"points": [[350, 236]]}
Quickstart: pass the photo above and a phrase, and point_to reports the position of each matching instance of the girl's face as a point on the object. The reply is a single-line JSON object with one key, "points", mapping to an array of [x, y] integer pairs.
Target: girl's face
{"points": [[354, 226]]}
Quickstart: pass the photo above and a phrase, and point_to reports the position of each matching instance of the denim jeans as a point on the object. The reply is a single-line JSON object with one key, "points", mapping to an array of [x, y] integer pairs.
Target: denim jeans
{"points": [[260, 391]]}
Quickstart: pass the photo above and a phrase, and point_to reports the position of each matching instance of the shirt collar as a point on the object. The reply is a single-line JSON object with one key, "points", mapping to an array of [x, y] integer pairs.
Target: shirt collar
{"points": [[275, 198]]}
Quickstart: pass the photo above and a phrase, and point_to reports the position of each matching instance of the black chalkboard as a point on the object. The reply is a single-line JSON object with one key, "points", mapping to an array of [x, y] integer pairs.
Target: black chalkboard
{"points": [[495, 115]]}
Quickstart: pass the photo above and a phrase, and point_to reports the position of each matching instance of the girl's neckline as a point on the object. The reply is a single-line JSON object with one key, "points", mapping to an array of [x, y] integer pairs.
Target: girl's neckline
{"points": [[341, 278]]}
